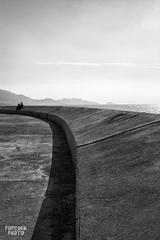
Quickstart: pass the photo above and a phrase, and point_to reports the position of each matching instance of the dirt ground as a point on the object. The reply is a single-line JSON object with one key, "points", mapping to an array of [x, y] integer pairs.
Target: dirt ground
{"points": [[25, 160], [25, 148]]}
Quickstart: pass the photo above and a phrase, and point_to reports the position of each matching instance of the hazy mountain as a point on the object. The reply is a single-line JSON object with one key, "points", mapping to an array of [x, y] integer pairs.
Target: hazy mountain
{"points": [[10, 98], [75, 101]]}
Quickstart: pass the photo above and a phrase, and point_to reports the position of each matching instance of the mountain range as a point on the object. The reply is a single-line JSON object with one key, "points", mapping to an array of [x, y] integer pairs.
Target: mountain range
{"points": [[8, 98], [12, 99]]}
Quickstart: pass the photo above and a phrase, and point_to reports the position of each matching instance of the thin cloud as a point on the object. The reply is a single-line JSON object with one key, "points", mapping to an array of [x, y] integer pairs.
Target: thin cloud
{"points": [[101, 64], [88, 64], [94, 64]]}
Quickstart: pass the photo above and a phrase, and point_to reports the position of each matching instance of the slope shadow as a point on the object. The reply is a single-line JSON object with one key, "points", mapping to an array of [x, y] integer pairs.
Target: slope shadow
{"points": [[57, 216]]}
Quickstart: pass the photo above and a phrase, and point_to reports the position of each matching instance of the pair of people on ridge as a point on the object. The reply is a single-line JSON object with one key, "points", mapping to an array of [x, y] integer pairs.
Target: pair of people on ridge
{"points": [[20, 106]]}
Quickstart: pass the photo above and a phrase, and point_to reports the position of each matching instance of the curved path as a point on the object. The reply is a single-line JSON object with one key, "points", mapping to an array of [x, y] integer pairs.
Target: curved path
{"points": [[113, 157], [57, 216]]}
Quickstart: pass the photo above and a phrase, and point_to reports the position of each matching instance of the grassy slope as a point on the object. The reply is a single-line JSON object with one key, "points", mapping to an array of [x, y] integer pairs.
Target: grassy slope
{"points": [[120, 186], [118, 177]]}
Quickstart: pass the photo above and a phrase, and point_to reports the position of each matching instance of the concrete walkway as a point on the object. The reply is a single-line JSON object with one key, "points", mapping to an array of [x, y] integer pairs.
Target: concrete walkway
{"points": [[57, 217]]}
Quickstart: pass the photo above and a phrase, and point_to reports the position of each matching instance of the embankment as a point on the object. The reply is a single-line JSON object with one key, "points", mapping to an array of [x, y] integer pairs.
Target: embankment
{"points": [[116, 165]]}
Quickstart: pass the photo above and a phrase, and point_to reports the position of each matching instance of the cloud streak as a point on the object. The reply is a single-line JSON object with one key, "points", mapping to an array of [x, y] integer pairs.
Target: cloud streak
{"points": [[101, 64], [88, 64]]}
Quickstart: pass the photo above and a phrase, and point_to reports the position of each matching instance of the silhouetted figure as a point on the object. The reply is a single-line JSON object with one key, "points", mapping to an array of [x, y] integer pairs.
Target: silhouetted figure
{"points": [[20, 106]]}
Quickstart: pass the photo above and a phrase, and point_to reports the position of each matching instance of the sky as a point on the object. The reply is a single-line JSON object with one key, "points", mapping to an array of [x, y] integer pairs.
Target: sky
{"points": [[98, 50]]}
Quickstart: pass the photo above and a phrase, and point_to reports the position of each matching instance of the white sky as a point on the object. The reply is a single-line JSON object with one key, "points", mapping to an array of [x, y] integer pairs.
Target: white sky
{"points": [[99, 50]]}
